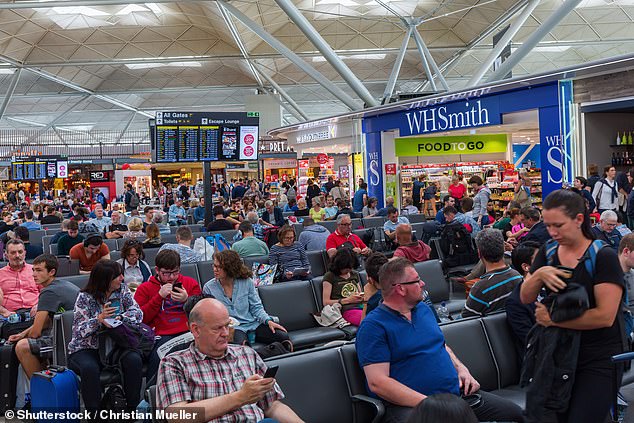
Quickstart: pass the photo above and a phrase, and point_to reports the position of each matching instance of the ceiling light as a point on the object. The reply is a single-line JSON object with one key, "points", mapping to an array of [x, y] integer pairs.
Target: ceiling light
{"points": [[79, 10], [370, 56], [161, 65], [154, 8], [74, 127], [551, 49], [7, 71], [131, 8], [347, 3], [27, 122]]}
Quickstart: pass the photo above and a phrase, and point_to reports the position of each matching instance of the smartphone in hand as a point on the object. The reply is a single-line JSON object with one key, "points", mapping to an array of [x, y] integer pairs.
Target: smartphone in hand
{"points": [[271, 371], [178, 285]]}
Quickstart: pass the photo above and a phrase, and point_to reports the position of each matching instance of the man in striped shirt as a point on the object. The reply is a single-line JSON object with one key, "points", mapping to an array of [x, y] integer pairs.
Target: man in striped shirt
{"points": [[489, 294]]}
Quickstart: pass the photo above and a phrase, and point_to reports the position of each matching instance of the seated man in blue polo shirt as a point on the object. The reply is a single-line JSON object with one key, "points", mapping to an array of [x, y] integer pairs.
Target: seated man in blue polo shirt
{"points": [[404, 356]]}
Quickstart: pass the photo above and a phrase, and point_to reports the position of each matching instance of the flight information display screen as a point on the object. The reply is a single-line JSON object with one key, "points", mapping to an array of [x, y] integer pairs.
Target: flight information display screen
{"points": [[37, 168], [192, 137]]}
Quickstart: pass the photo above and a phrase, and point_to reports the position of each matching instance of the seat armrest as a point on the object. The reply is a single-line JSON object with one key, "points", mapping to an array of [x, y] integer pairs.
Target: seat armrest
{"points": [[378, 405], [623, 357]]}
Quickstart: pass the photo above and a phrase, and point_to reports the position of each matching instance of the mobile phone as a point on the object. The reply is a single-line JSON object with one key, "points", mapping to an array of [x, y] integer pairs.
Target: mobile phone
{"points": [[271, 371], [178, 285], [116, 304]]}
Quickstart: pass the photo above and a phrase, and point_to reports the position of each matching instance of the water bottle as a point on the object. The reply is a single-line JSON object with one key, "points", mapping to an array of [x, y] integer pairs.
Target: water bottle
{"points": [[443, 313], [14, 318]]}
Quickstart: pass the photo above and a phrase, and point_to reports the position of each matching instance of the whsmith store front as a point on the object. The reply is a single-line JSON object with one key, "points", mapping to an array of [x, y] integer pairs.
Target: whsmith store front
{"points": [[480, 132]]}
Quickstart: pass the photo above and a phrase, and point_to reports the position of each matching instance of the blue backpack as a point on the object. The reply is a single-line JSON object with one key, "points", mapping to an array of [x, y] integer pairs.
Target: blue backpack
{"points": [[589, 258]]}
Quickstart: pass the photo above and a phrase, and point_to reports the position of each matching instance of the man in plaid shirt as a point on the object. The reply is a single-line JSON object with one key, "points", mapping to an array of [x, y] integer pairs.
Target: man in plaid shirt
{"points": [[225, 381]]}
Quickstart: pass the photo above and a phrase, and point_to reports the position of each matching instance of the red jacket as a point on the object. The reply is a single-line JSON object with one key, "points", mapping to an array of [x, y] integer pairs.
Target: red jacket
{"points": [[165, 316]]}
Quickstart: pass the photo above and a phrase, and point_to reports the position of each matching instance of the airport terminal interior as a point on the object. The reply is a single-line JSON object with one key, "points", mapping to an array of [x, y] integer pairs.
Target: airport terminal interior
{"points": [[321, 211]]}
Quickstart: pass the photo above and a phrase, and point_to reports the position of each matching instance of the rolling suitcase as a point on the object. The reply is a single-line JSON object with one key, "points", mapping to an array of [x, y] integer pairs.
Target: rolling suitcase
{"points": [[9, 376], [56, 390]]}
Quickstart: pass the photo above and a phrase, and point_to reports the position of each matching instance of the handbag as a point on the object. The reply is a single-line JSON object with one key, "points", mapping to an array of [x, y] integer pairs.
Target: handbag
{"points": [[568, 304], [264, 274], [330, 316], [271, 350], [139, 337]]}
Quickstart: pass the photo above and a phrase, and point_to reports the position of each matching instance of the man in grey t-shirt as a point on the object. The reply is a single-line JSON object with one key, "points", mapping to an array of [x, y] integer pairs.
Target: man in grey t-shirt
{"points": [[35, 344]]}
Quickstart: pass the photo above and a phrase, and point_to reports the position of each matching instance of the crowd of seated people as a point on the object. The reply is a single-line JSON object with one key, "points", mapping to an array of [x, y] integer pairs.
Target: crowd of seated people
{"points": [[392, 305]]}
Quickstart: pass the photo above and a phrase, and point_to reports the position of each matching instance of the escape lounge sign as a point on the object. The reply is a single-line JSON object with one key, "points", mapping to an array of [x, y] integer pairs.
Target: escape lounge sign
{"points": [[445, 117], [442, 146]]}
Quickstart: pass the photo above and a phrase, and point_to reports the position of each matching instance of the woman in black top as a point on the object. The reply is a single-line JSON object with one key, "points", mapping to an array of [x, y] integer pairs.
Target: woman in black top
{"points": [[566, 217], [312, 191]]}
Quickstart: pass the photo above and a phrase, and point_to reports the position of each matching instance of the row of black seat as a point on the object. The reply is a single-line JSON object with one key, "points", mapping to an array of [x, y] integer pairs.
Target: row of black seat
{"points": [[295, 302], [326, 384]]}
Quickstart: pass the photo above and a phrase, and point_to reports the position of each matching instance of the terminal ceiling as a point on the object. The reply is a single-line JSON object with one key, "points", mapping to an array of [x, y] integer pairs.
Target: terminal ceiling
{"points": [[102, 65]]}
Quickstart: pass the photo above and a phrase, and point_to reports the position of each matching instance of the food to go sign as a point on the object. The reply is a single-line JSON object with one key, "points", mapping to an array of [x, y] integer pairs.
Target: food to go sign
{"points": [[442, 146]]}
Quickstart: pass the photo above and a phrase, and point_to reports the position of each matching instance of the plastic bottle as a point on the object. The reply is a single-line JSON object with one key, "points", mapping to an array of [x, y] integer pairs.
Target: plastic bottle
{"points": [[13, 318], [443, 313]]}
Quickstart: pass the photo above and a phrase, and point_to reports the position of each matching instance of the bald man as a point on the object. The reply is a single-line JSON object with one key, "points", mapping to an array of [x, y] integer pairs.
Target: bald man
{"points": [[226, 381], [414, 251]]}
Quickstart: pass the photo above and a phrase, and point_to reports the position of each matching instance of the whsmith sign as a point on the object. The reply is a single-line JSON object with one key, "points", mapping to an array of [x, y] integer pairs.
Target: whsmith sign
{"points": [[442, 146], [447, 117]]}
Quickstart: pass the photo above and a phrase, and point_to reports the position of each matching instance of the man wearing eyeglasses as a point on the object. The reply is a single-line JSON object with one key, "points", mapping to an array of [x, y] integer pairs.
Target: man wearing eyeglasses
{"points": [[404, 356], [342, 236], [161, 299], [217, 381], [606, 229]]}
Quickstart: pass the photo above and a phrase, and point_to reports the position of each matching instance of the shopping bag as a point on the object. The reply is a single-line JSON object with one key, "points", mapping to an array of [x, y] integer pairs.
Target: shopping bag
{"points": [[204, 248], [263, 274]]}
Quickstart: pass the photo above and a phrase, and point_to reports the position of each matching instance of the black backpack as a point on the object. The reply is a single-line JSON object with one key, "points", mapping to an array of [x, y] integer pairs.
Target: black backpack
{"points": [[457, 246]]}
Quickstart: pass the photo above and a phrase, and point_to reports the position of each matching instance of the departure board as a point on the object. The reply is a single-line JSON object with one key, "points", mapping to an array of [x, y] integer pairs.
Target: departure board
{"points": [[36, 168], [192, 137]]}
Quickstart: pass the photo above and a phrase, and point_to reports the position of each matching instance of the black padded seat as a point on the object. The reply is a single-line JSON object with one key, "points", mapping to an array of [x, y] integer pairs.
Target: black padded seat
{"points": [[512, 393], [309, 337], [191, 270], [205, 271], [79, 280], [331, 225], [294, 304], [416, 218], [468, 341], [431, 273], [501, 340], [373, 222], [367, 409], [248, 261], [317, 261], [315, 385]]}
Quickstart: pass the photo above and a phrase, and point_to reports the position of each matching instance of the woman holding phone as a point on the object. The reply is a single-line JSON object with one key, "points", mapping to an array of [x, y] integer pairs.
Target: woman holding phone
{"points": [[233, 286], [105, 297], [600, 327], [342, 284]]}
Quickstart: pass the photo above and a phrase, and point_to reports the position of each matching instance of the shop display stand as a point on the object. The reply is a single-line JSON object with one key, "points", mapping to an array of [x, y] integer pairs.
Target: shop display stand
{"points": [[499, 177], [502, 192]]}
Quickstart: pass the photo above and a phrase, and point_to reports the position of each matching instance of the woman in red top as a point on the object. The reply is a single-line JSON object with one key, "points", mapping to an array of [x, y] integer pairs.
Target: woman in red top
{"points": [[457, 190]]}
